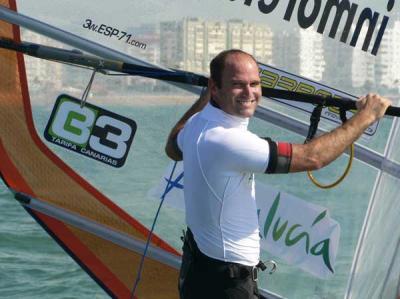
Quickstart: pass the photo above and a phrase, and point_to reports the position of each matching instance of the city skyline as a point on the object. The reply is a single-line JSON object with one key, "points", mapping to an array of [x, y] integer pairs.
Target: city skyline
{"points": [[190, 43], [153, 10]]}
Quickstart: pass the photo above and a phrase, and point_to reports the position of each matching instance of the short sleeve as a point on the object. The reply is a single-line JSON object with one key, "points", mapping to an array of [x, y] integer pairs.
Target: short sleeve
{"points": [[240, 151]]}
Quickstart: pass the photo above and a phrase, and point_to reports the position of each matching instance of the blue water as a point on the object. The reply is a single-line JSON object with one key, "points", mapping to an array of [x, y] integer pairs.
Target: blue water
{"points": [[34, 266]]}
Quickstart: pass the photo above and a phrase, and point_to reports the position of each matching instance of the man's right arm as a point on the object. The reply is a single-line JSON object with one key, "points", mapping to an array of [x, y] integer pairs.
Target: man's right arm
{"points": [[324, 149], [171, 148]]}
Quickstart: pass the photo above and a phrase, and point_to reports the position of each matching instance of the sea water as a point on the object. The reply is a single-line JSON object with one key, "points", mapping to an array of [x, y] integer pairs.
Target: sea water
{"points": [[32, 265]]}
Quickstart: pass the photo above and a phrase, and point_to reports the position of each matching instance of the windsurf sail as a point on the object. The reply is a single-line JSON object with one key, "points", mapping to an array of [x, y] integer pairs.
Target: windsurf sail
{"points": [[325, 48], [47, 187]]}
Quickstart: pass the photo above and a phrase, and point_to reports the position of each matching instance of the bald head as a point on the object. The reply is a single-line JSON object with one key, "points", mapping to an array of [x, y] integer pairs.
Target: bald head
{"points": [[218, 64], [235, 83]]}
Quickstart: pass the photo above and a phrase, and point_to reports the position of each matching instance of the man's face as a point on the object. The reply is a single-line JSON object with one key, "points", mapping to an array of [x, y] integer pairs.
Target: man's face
{"points": [[240, 90]]}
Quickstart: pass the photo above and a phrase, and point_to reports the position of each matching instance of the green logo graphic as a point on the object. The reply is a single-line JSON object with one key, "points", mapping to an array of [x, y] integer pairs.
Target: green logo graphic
{"points": [[90, 130], [293, 234]]}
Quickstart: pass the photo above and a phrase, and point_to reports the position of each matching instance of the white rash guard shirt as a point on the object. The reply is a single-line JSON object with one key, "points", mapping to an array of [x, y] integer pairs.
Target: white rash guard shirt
{"points": [[220, 156]]}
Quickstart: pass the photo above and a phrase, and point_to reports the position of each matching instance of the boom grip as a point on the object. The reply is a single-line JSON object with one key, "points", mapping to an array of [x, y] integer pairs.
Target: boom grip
{"points": [[345, 103], [393, 111]]}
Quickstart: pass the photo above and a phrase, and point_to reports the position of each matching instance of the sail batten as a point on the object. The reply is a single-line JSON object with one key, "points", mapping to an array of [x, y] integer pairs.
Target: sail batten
{"points": [[118, 238]]}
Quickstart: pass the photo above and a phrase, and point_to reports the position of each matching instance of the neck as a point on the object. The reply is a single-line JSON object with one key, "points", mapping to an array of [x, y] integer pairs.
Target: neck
{"points": [[214, 103]]}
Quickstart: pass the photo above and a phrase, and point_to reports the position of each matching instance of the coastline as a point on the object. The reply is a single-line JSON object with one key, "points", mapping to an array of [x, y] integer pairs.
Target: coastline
{"points": [[125, 100]]}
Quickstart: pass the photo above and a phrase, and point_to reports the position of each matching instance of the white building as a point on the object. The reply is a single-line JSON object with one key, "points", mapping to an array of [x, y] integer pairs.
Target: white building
{"points": [[311, 54], [171, 43], [263, 43], [338, 62], [300, 52], [216, 35], [194, 44], [42, 73], [255, 39], [286, 47], [388, 60], [149, 34], [362, 70], [363, 66], [234, 34], [190, 44]]}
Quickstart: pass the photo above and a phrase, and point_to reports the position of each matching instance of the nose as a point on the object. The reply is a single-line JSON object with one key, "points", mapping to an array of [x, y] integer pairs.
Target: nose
{"points": [[247, 89]]}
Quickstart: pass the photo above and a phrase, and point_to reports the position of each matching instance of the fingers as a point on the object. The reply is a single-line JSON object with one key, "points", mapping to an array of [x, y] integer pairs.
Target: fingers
{"points": [[379, 101], [373, 104], [360, 104]]}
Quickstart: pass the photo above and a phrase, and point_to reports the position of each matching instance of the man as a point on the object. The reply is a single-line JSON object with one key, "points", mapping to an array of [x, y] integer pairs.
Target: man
{"points": [[221, 249]]}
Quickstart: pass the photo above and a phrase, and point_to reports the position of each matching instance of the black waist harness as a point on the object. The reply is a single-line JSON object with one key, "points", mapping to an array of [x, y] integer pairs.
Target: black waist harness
{"points": [[208, 264]]}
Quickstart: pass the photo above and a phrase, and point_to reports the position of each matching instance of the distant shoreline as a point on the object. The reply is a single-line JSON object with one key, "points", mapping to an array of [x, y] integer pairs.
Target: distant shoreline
{"points": [[146, 100], [127, 100]]}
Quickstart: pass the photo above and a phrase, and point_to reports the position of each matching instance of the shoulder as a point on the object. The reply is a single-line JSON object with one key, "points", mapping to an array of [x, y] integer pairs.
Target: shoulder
{"points": [[233, 139], [236, 150]]}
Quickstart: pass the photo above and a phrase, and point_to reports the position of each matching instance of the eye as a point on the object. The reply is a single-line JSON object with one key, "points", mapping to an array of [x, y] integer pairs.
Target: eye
{"points": [[237, 84]]}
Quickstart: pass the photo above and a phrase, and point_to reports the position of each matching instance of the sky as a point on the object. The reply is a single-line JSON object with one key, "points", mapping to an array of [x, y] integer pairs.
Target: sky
{"points": [[138, 11], [122, 14]]}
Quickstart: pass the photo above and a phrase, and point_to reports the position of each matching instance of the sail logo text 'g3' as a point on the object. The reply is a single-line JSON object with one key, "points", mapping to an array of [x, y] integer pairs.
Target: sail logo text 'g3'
{"points": [[91, 131]]}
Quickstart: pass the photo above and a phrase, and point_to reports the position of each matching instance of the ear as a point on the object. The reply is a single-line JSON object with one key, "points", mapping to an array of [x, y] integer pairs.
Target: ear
{"points": [[212, 87]]}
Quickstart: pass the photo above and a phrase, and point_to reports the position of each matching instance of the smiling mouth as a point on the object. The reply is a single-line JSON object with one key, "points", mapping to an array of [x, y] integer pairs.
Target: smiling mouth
{"points": [[246, 101]]}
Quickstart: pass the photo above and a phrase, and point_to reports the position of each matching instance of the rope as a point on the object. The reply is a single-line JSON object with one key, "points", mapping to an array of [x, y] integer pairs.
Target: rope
{"points": [[340, 179], [314, 120], [87, 89], [140, 270]]}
